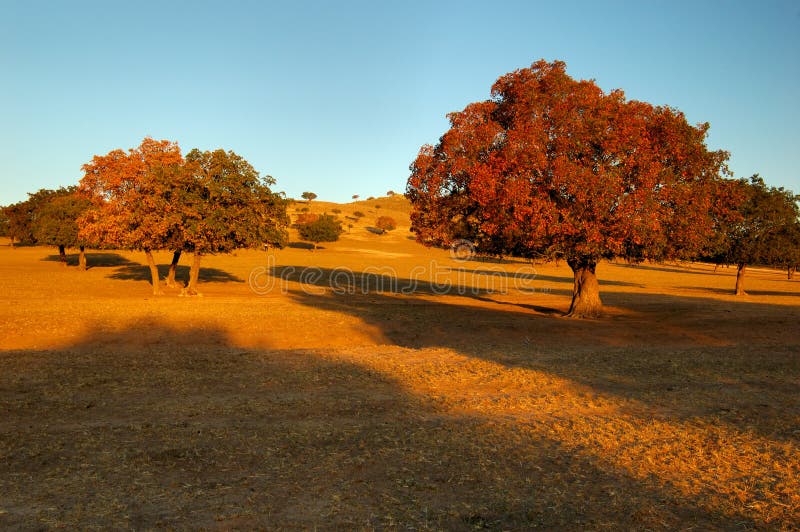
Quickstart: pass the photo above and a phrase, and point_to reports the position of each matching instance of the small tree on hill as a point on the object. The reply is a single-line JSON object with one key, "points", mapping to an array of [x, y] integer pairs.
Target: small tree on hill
{"points": [[326, 229], [356, 196], [551, 166], [386, 223], [308, 196]]}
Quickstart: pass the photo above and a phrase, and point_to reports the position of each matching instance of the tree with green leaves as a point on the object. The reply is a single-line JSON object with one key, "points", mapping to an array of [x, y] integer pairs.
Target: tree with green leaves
{"points": [[326, 228], [225, 205], [764, 231], [308, 196], [55, 221]]}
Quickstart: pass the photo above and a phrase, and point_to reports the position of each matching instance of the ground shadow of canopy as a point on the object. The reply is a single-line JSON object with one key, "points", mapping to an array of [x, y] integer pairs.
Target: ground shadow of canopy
{"points": [[152, 426], [140, 272], [94, 259], [663, 353]]}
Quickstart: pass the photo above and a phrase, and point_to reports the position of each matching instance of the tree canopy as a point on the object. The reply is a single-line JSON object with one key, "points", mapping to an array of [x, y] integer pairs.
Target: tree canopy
{"points": [[326, 228], [552, 166], [764, 232]]}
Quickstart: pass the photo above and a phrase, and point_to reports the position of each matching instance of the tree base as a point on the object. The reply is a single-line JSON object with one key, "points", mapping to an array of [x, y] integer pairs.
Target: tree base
{"points": [[586, 302]]}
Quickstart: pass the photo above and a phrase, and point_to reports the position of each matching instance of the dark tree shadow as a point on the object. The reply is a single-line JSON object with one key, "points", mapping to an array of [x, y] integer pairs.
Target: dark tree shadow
{"points": [[303, 245], [156, 427], [95, 260], [140, 272], [667, 269], [535, 276], [731, 291], [663, 353]]}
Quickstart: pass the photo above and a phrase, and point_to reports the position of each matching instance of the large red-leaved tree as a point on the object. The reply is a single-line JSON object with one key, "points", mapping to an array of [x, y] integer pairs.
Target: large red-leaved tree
{"points": [[553, 166]]}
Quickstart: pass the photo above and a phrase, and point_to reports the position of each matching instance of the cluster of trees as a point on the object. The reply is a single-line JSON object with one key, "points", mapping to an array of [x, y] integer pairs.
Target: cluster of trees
{"points": [[153, 198], [554, 167]]}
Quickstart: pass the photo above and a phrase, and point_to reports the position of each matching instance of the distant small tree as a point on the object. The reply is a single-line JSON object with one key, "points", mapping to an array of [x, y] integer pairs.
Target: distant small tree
{"points": [[326, 229], [370, 198], [391, 193], [336, 211], [386, 223], [4, 224], [308, 196], [358, 214], [18, 218], [356, 196]]}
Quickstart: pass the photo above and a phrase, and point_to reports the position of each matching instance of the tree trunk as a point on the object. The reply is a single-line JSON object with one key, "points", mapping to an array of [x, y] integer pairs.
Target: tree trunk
{"points": [[586, 301], [194, 275], [790, 272], [173, 267], [153, 274], [740, 279], [82, 258], [62, 255]]}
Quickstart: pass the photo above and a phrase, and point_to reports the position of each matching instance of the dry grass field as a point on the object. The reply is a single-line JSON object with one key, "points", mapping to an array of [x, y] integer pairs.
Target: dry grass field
{"points": [[377, 384]]}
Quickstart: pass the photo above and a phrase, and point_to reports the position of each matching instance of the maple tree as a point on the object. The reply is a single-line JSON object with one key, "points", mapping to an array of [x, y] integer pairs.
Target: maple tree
{"points": [[764, 232], [552, 166], [132, 200]]}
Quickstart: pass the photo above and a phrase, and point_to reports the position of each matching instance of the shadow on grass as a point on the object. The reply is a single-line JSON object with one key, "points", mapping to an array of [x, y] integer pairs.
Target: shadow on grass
{"points": [[731, 291], [94, 260], [141, 272], [696, 357], [152, 426], [303, 245]]}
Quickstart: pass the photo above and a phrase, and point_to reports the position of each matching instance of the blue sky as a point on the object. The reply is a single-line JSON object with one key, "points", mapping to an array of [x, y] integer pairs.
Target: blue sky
{"points": [[337, 97]]}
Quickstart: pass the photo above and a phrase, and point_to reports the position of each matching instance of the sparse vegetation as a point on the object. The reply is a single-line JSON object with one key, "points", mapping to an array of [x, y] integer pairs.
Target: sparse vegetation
{"points": [[386, 223], [326, 228]]}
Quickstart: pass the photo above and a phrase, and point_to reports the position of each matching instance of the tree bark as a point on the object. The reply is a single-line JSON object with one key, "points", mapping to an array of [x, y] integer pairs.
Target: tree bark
{"points": [[153, 274], [586, 301], [194, 275], [62, 255], [82, 258], [740, 271], [173, 267], [790, 272]]}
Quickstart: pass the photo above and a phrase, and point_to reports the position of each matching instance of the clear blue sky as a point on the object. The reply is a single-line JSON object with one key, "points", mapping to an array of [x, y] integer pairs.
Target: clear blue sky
{"points": [[337, 97]]}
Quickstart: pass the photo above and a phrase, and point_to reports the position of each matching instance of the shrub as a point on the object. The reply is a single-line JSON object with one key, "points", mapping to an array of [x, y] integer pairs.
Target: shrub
{"points": [[307, 218], [325, 229], [358, 214], [337, 211], [386, 223]]}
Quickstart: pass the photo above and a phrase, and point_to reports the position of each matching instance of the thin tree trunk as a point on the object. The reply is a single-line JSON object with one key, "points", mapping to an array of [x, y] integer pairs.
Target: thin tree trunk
{"points": [[62, 255], [740, 271], [82, 258], [586, 301], [154, 274], [173, 267], [194, 275], [790, 272]]}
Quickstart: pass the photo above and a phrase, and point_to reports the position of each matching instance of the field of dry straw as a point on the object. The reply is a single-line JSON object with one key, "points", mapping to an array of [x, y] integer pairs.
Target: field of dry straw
{"points": [[343, 398]]}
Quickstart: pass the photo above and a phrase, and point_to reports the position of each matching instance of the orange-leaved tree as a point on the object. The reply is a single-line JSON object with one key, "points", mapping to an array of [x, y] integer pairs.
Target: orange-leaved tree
{"points": [[133, 200], [552, 166]]}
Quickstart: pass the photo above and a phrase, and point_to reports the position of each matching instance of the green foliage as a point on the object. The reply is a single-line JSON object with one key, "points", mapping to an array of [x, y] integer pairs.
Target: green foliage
{"points": [[386, 223], [766, 231], [308, 196], [225, 204], [4, 222], [326, 229], [54, 221]]}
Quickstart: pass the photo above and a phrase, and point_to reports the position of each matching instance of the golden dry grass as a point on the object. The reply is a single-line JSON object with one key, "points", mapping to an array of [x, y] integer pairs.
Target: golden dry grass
{"points": [[303, 407]]}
